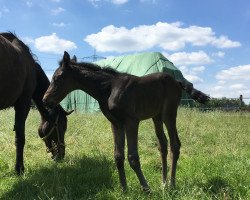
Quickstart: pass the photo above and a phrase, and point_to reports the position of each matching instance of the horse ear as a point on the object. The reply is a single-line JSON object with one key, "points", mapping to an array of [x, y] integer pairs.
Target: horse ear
{"points": [[66, 57], [74, 59]]}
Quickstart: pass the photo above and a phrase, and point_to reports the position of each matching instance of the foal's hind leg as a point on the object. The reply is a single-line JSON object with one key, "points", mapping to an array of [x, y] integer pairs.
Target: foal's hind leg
{"points": [[119, 142], [175, 144], [21, 112], [131, 128], [162, 145]]}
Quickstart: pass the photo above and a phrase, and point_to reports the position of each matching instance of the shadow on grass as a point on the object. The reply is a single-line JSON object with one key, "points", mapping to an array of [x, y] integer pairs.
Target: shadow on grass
{"points": [[218, 187], [82, 179]]}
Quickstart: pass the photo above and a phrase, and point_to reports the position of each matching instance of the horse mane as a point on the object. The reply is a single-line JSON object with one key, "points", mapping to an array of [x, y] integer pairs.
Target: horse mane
{"points": [[107, 70], [92, 67], [12, 36], [112, 71]]}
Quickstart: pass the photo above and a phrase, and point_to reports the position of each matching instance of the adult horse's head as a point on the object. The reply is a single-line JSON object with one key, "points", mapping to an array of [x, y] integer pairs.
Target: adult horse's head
{"points": [[53, 121], [61, 83], [52, 130]]}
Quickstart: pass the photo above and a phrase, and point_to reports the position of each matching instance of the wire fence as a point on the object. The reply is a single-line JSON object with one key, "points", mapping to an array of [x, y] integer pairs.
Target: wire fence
{"points": [[223, 104]]}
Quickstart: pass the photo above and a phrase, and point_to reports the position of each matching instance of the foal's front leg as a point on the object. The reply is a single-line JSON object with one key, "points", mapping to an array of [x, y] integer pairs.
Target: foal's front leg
{"points": [[131, 128], [119, 142]]}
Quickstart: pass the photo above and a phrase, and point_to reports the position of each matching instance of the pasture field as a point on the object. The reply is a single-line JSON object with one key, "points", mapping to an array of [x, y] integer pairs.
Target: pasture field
{"points": [[214, 161]]}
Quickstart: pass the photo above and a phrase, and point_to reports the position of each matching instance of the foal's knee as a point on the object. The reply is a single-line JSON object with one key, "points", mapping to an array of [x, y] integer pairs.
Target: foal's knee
{"points": [[119, 160], [176, 150], [19, 142], [162, 144], [134, 161], [163, 148]]}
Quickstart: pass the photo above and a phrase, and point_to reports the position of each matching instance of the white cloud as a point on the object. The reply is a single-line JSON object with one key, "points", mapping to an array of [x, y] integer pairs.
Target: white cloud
{"points": [[53, 44], [193, 58], [235, 73], [96, 3], [198, 69], [238, 86], [41, 3], [193, 78], [217, 88], [57, 11], [232, 82], [228, 91], [29, 3], [119, 1], [168, 36], [61, 24], [192, 74], [184, 60], [3, 11], [219, 54], [224, 42], [28, 40], [148, 1]]}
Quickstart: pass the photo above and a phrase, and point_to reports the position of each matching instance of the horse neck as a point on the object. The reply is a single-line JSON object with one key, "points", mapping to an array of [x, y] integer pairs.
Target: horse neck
{"points": [[95, 83], [42, 84]]}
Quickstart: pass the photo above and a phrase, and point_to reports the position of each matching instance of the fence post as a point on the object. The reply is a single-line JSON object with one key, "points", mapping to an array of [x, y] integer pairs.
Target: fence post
{"points": [[241, 101]]}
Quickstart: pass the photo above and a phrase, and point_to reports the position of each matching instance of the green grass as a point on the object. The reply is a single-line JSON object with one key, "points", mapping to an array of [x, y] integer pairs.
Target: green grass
{"points": [[214, 161]]}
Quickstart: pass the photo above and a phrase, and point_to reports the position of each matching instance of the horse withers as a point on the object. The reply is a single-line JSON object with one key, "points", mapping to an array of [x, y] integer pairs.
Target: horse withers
{"points": [[125, 100], [22, 79]]}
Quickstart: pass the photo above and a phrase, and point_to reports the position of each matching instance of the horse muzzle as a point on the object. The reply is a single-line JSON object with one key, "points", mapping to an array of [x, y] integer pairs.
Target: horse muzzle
{"points": [[58, 151]]}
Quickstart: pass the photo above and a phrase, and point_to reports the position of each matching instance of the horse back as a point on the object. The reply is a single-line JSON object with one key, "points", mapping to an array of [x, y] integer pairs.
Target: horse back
{"points": [[143, 97], [17, 75]]}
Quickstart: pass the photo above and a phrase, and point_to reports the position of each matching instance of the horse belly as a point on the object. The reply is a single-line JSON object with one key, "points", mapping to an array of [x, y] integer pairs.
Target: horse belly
{"points": [[10, 90], [148, 106], [8, 99], [146, 111]]}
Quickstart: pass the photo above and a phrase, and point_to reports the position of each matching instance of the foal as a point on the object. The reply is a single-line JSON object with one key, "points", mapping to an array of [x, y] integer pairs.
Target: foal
{"points": [[125, 100]]}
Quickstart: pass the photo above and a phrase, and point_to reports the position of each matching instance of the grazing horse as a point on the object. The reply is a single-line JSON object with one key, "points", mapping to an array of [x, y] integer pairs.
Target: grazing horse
{"points": [[125, 100], [22, 79]]}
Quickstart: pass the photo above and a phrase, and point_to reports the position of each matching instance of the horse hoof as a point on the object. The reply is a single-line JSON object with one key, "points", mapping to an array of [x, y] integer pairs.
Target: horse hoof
{"points": [[146, 190], [172, 186], [57, 158], [19, 170], [124, 189]]}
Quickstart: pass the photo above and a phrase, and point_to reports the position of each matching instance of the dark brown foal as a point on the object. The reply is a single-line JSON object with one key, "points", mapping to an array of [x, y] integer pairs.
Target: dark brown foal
{"points": [[125, 100]]}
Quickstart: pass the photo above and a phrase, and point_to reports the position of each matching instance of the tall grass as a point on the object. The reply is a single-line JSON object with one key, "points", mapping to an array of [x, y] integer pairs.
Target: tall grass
{"points": [[214, 161]]}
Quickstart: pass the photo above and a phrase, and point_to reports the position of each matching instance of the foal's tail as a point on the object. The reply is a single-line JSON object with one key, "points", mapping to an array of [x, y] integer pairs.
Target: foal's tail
{"points": [[194, 93]]}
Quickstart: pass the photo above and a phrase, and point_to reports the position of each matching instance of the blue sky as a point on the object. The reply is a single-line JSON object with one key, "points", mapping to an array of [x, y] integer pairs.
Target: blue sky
{"points": [[209, 41]]}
